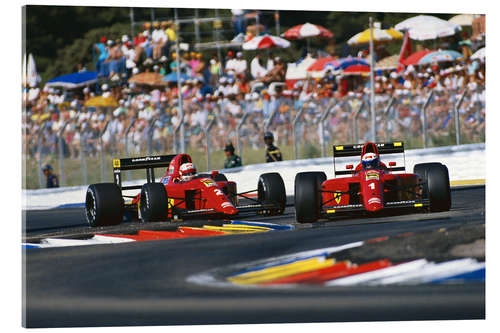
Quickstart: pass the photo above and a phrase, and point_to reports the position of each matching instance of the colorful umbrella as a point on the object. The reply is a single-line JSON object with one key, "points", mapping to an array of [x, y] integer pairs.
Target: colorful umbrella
{"points": [[414, 58], [101, 101], [356, 69], [307, 30], [266, 42], [320, 64], [336, 64], [438, 56], [149, 78], [379, 35], [73, 80], [424, 27]]}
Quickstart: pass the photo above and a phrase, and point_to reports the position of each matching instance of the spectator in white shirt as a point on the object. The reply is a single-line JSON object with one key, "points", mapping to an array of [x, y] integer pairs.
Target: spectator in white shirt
{"points": [[256, 69], [229, 62], [240, 64], [158, 39]]}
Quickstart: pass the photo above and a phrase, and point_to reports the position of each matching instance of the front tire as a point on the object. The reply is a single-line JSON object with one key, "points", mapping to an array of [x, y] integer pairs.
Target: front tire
{"points": [[308, 196], [104, 205], [153, 202], [437, 185], [271, 190]]}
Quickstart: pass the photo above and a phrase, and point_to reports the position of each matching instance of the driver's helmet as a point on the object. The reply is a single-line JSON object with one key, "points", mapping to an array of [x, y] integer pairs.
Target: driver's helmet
{"points": [[187, 171], [370, 161]]}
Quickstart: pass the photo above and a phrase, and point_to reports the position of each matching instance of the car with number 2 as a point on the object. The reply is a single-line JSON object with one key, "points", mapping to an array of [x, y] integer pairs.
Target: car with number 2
{"points": [[180, 194]]}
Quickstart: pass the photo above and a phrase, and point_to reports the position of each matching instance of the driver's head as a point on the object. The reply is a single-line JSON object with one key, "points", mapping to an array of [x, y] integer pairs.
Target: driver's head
{"points": [[187, 171], [268, 138], [369, 161]]}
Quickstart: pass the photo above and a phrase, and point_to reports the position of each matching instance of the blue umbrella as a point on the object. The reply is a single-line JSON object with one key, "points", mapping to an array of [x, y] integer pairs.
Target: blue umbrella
{"points": [[73, 80], [172, 77], [437, 56], [344, 63]]}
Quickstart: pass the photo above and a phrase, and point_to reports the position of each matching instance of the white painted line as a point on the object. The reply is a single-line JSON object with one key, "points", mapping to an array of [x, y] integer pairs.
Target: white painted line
{"points": [[378, 274]]}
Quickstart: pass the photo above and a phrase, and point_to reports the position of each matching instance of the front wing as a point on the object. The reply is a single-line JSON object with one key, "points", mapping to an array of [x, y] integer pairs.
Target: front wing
{"points": [[330, 211]]}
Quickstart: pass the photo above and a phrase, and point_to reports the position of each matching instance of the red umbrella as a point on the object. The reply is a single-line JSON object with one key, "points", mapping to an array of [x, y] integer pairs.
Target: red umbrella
{"points": [[307, 30], [265, 42], [320, 64], [414, 58], [354, 69]]}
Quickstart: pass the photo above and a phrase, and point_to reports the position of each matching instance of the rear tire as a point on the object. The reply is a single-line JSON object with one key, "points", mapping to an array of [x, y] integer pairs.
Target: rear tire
{"points": [[308, 196], [104, 205], [437, 185], [271, 190], [153, 202]]}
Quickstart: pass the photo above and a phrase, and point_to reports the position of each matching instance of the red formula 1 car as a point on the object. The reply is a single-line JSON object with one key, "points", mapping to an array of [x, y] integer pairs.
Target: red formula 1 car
{"points": [[174, 197], [371, 186]]}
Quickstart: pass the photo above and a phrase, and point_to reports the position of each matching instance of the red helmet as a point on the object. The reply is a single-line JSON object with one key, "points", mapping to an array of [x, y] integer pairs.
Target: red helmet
{"points": [[187, 171]]}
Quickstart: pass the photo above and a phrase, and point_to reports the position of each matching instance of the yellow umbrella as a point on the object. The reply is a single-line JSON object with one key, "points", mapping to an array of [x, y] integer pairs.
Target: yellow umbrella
{"points": [[101, 101], [379, 35]]}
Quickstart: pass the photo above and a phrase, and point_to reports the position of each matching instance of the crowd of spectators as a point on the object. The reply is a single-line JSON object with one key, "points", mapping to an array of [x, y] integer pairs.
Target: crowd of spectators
{"points": [[224, 91]]}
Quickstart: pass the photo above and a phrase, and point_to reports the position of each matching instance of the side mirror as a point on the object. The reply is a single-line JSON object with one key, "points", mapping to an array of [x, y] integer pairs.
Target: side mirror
{"points": [[215, 172], [349, 166], [392, 164]]}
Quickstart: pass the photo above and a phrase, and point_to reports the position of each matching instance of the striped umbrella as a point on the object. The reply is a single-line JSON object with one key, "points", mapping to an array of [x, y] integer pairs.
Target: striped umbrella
{"points": [[379, 35], [307, 30], [357, 69], [266, 42], [438, 56], [344, 65], [320, 64]]}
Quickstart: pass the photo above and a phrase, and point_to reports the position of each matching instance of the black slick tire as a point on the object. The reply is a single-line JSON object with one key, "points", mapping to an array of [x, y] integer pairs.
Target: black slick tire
{"points": [[153, 203], [308, 196], [104, 205], [271, 190], [437, 185]]}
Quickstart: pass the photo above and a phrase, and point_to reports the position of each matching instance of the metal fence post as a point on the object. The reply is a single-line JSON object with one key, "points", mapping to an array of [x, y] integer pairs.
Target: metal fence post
{"points": [[149, 141], [83, 142], [175, 141], [61, 154], [386, 115], [355, 121], [322, 119], [294, 128], [103, 170], [126, 144], [424, 113], [238, 134], [39, 148], [207, 138], [269, 120], [457, 116]]}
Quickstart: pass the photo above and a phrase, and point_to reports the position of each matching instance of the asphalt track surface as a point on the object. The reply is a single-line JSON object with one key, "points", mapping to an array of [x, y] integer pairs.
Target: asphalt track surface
{"points": [[144, 283]]}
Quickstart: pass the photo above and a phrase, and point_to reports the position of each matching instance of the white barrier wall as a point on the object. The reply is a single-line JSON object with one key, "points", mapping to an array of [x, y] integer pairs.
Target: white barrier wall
{"points": [[464, 162]]}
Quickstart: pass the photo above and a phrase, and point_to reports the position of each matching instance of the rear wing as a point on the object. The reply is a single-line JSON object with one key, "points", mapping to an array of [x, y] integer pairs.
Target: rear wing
{"points": [[355, 150], [146, 162]]}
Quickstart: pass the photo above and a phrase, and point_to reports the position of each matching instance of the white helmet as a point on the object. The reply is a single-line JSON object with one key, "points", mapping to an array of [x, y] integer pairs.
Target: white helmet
{"points": [[187, 171], [370, 161]]}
